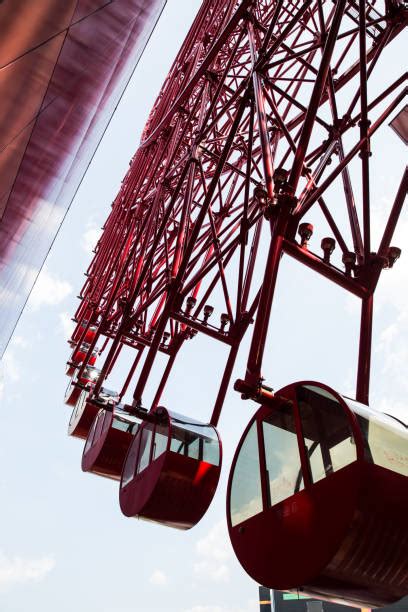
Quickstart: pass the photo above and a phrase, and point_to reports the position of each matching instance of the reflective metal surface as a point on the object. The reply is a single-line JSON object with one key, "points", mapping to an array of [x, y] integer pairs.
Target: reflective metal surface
{"points": [[63, 66]]}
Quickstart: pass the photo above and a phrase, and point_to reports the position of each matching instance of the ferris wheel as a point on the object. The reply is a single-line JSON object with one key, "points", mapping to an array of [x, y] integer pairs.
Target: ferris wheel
{"points": [[264, 121]]}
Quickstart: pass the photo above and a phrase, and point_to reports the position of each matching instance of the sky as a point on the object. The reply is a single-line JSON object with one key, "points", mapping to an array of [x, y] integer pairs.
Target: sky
{"points": [[65, 545]]}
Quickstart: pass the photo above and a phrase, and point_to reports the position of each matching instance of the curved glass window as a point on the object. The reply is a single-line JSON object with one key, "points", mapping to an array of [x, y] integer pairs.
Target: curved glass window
{"points": [[121, 424], [106, 395], [196, 440], [246, 492], [161, 436], [99, 425], [386, 442], [79, 353], [90, 374], [69, 388], [125, 421], [131, 462], [79, 405], [91, 436], [326, 431], [283, 468], [144, 441], [125, 424], [145, 446], [106, 421]]}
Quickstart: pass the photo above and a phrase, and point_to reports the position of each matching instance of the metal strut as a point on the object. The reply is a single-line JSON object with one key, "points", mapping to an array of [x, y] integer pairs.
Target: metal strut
{"points": [[264, 117]]}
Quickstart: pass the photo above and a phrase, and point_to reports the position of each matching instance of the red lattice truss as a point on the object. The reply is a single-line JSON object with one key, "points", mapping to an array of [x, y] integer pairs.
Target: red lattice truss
{"points": [[261, 118]]}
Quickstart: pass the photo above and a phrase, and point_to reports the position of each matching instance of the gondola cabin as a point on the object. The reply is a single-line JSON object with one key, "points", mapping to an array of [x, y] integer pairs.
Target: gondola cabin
{"points": [[73, 391], [318, 498], [171, 471], [86, 409], [71, 367], [89, 333], [75, 387], [108, 441], [89, 376], [78, 356]]}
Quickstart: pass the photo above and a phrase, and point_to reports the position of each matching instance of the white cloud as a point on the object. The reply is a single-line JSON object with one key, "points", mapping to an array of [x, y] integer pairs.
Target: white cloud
{"points": [[67, 326], [392, 282], [19, 341], [392, 351], [214, 551], [390, 342], [10, 368], [19, 570], [392, 345], [49, 290], [159, 578], [90, 238], [391, 288], [9, 371], [396, 408]]}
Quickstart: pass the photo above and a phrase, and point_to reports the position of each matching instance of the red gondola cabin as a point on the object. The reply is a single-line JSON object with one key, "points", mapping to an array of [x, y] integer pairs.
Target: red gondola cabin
{"points": [[89, 334], [171, 471], [78, 356], [318, 498], [75, 387], [108, 441], [86, 410]]}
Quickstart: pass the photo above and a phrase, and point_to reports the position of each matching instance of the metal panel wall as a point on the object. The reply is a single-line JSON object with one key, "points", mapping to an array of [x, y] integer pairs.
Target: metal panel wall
{"points": [[63, 69]]}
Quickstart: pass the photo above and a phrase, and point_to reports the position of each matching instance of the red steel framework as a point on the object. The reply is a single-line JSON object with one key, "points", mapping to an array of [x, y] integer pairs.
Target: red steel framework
{"points": [[264, 116]]}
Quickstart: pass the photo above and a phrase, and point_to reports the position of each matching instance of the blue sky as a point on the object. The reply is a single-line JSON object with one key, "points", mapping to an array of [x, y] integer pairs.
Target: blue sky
{"points": [[65, 545]]}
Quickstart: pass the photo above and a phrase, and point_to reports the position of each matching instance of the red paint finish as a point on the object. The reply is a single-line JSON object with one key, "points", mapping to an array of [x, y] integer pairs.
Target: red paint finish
{"points": [[262, 119], [72, 393], [85, 332], [77, 358], [86, 410], [82, 417], [70, 369], [77, 384], [340, 531], [168, 486], [89, 375], [79, 355], [108, 441], [245, 132]]}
